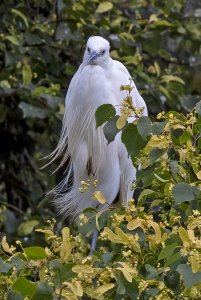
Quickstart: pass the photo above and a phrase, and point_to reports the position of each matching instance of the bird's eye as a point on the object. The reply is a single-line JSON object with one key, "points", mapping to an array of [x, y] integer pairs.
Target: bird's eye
{"points": [[89, 50], [102, 52]]}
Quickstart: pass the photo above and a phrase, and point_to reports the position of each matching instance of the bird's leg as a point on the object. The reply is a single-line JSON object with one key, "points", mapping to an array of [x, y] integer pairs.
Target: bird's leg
{"points": [[93, 242]]}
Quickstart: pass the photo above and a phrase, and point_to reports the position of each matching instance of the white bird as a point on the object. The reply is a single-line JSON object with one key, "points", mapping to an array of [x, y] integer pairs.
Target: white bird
{"points": [[96, 82]]}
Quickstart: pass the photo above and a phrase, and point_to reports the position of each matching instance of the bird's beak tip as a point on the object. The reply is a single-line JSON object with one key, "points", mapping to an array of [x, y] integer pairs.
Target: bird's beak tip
{"points": [[93, 56]]}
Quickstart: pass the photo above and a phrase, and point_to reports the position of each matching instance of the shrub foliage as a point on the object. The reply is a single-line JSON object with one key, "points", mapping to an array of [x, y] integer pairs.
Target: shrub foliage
{"points": [[151, 249], [148, 250]]}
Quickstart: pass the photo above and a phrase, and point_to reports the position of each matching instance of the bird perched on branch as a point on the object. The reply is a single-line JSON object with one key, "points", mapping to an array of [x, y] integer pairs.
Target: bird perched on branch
{"points": [[96, 82]]}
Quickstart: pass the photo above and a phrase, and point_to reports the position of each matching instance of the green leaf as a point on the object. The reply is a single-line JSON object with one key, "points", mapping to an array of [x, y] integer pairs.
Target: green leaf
{"points": [[33, 39], [107, 257], [189, 102], [198, 108], [5, 267], [199, 143], [183, 233], [143, 196], [27, 227], [157, 127], [159, 23], [89, 227], [53, 90], [104, 7], [144, 126], [172, 259], [110, 129], [62, 272], [24, 286], [35, 252], [132, 139], [184, 192], [167, 251], [43, 292], [39, 90], [164, 54], [152, 272], [26, 74], [13, 39], [185, 137], [155, 154], [21, 15], [189, 278], [104, 113], [33, 111], [177, 115], [3, 112], [14, 295], [5, 84]]}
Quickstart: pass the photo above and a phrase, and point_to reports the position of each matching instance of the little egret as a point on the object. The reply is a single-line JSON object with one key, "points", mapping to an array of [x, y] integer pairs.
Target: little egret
{"points": [[96, 82]]}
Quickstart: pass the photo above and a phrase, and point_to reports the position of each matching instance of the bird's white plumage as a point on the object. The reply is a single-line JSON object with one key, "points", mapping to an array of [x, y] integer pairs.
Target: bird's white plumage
{"points": [[96, 82]]}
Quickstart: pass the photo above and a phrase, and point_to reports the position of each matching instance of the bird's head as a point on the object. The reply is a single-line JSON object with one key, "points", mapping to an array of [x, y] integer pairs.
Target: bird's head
{"points": [[97, 51]]}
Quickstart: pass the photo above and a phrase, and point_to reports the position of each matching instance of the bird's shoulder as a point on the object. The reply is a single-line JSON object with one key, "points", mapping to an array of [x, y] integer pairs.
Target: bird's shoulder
{"points": [[118, 66]]}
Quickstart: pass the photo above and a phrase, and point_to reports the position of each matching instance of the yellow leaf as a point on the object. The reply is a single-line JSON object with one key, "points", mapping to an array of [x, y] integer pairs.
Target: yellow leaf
{"points": [[184, 235], [112, 236], [26, 74], [104, 7], [126, 87], [42, 273], [61, 109], [83, 268], [98, 195], [127, 275], [126, 266], [122, 235], [177, 126], [76, 288], [104, 288], [153, 18], [164, 237], [169, 78], [116, 22], [133, 224], [64, 293], [157, 236], [151, 70], [129, 99], [194, 264], [121, 122], [199, 175], [191, 234], [164, 91], [6, 247], [157, 142], [66, 247], [98, 214], [157, 68], [194, 223], [48, 252], [182, 155]]}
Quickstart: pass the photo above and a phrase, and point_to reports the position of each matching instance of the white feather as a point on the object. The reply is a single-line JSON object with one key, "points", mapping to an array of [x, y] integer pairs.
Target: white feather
{"points": [[96, 82]]}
